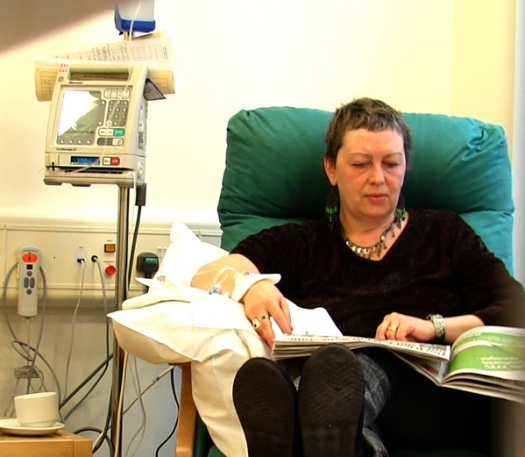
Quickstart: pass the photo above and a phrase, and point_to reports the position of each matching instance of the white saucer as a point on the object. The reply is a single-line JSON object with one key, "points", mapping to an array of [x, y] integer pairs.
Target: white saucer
{"points": [[12, 426]]}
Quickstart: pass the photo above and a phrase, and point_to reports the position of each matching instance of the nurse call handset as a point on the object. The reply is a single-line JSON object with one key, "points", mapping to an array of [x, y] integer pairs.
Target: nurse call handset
{"points": [[29, 266]]}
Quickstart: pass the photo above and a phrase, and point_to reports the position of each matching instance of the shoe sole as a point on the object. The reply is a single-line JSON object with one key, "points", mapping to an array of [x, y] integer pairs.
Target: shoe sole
{"points": [[331, 395], [266, 402]]}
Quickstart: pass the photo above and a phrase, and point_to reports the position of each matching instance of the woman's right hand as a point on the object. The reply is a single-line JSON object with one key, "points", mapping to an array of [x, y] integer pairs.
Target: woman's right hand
{"points": [[262, 301]]}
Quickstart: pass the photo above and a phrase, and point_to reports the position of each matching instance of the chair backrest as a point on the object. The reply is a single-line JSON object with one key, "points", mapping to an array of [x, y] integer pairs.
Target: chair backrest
{"points": [[274, 172]]}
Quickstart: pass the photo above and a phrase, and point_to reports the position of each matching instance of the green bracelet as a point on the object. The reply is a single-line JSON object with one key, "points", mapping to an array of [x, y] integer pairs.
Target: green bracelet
{"points": [[439, 323]]}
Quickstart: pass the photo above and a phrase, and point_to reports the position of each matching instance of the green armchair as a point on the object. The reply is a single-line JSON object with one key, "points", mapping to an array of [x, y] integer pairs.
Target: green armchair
{"points": [[274, 174]]}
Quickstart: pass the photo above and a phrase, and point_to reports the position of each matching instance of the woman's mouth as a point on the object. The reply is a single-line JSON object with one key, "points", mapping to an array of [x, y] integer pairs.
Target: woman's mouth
{"points": [[376, 197]]}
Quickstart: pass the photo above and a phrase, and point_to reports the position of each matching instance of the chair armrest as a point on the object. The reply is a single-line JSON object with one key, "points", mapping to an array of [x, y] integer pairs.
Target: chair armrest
{"points": [[185, 440]]}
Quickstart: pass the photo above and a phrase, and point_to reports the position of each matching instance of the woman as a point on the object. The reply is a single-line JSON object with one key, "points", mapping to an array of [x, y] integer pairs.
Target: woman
{"points": [[379, 270]]}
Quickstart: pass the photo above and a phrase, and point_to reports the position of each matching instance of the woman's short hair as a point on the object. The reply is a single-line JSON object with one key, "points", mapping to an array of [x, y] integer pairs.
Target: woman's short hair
{"points": [[367, 113]]}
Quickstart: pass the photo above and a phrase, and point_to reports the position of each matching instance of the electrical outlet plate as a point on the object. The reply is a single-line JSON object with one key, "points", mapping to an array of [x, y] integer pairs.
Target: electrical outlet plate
{"points": [[80, 255], [59, 243]]}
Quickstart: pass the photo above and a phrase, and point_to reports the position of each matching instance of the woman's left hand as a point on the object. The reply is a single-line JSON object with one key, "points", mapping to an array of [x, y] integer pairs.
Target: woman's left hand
{"points": [[400, 327]]}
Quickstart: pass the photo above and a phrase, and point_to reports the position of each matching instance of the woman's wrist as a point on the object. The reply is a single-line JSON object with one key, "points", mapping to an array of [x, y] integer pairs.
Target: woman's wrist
{"points": [[234, 283], [244, 280], [439, 325]]}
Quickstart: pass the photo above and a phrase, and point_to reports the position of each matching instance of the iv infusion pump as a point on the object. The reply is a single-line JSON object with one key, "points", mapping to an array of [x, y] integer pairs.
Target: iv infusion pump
{"points": [[96, 132]]}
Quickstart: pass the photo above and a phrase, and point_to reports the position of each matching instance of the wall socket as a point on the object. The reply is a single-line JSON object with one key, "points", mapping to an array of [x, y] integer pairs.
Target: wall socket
{"points": [[80, 255], [23, 372]]}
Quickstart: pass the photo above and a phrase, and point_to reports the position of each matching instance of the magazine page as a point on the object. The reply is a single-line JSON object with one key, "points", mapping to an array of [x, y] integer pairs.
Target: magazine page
{"points": [[486, 361], [496, 390], [315, 321], [434, 369], [313, 328], [287, 346], [497, 352]]}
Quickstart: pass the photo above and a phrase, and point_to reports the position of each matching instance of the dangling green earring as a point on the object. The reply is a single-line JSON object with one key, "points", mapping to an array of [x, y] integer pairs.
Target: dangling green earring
{"points": [[332, 207], [400, 213]]}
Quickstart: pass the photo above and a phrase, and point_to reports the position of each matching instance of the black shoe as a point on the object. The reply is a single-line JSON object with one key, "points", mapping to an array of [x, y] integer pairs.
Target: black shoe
{"points": [[266, 402], [331, 395]]}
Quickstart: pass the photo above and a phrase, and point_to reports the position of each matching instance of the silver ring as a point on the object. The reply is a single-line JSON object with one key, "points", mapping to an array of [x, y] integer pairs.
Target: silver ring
{"points": [[392, 328], [256, 323]]}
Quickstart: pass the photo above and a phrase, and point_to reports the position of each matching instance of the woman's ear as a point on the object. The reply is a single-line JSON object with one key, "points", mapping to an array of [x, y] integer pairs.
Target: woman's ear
{"points": [[329, 168]]}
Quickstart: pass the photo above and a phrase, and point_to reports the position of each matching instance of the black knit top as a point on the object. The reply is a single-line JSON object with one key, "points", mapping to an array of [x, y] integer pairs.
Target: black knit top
{"points": [[437, 265]]}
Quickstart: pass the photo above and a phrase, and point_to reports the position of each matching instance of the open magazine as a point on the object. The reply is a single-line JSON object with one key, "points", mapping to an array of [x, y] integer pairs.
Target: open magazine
{"points": [[486, 360]]}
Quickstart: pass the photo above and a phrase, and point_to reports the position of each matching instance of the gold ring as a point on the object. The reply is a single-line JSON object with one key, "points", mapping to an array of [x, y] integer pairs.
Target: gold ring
{"points": [[256, 322], [392, 328]]}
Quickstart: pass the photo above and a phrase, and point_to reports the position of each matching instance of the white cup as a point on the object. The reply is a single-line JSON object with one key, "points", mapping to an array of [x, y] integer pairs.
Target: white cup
{"points": [[37, 410]]}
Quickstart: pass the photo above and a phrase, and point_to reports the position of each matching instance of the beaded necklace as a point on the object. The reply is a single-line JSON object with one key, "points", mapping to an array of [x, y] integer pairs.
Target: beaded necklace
{"points": [[366, 252]]}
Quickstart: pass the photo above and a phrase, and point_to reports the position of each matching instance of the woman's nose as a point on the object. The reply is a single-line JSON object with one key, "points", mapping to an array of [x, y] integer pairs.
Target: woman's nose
{"points": [[376, 174]]}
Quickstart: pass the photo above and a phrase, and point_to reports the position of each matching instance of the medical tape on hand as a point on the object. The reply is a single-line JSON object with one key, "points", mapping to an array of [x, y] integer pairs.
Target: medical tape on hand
{"points": [[244, 280]]}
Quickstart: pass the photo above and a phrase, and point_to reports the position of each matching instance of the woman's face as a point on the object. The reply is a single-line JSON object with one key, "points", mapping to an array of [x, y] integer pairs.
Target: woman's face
{"points": [[369, 172]]}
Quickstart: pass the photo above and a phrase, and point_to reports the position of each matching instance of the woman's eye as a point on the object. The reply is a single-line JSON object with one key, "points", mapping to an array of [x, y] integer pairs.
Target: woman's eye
{"points": [[359, 164], [391, 164]]}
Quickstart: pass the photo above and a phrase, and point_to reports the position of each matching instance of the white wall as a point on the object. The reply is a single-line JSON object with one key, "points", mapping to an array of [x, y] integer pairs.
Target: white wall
{"points": [[231, 55], [483, 61]]}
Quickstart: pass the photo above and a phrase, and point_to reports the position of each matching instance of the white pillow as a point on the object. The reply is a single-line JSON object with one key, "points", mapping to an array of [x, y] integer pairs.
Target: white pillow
{"points": [[173, 323], [185, 255]]}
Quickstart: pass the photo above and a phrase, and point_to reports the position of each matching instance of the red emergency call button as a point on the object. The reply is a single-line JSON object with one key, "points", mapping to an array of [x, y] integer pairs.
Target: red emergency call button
{"points": [[110, 270], [29, 257], [115, 161]]}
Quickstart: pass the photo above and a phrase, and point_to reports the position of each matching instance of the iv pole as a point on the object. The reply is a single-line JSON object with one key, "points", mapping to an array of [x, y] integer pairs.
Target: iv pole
{"points": [[120, 296], [121, 291], [121, 261]]}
